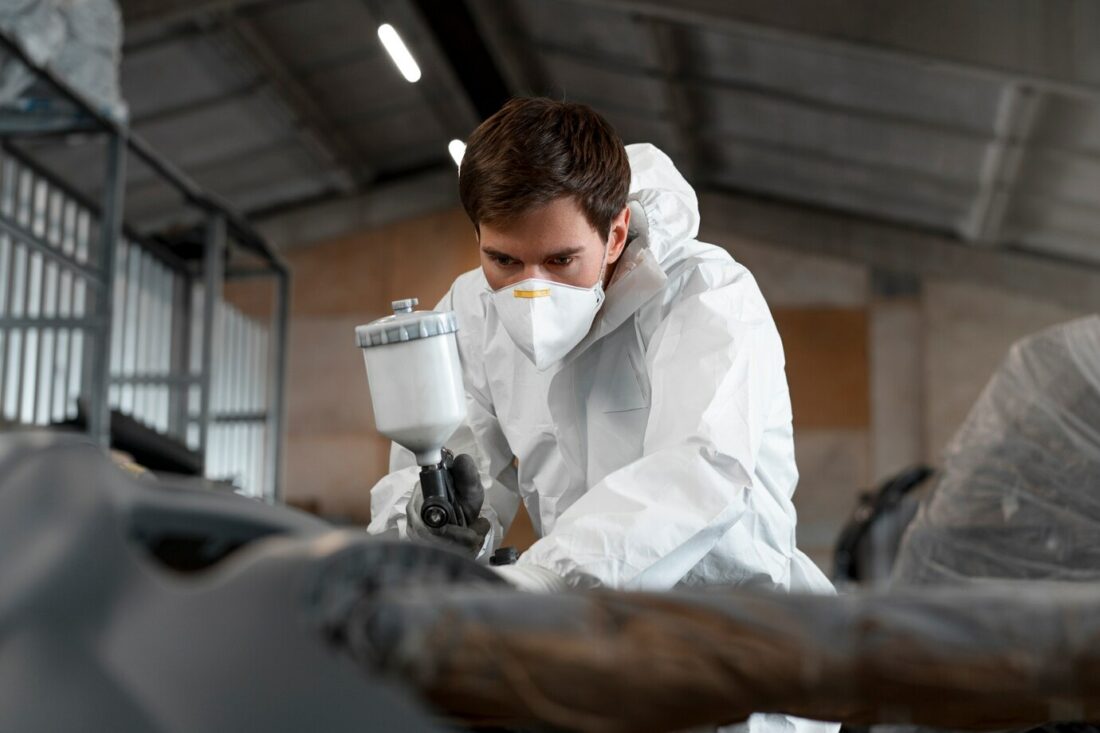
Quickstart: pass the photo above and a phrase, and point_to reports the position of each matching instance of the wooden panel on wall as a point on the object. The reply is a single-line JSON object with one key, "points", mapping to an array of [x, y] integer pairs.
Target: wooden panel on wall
{"points": [[521, 534], [361, 274], [827, 365]]}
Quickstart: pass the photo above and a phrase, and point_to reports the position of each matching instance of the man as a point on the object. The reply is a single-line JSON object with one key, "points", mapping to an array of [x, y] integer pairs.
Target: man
{"points": [[624, 380]]}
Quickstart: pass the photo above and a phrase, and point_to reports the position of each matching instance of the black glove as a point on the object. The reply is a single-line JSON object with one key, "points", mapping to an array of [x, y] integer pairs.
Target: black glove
{"points": [[469, 495]]}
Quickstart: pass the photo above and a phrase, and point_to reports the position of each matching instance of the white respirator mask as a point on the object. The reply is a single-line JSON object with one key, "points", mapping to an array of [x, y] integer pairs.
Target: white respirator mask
{"points": [[546, 319]]}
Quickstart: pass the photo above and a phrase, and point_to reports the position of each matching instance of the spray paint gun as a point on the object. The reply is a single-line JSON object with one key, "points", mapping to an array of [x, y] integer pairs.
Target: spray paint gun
{"points": [[415, 380]]}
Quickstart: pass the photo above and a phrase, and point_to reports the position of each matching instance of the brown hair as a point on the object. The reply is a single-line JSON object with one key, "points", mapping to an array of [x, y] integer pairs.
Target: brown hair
{"points": [[535, 150]]}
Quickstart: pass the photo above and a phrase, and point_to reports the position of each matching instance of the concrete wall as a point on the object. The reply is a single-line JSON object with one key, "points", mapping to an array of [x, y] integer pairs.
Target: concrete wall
{"points": [[967, 331], [880, 375]]}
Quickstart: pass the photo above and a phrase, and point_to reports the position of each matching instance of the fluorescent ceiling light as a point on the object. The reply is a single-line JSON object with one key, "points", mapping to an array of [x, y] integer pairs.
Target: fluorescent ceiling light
{"points": [[457, 149], [399, 52]]}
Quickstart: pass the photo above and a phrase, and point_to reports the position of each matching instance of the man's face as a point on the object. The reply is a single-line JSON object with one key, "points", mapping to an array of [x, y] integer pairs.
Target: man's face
{"points": [[554, 242]]}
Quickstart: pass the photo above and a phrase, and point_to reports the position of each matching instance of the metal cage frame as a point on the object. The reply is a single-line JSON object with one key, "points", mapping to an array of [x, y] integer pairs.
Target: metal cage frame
{"points": [[82, 301]]}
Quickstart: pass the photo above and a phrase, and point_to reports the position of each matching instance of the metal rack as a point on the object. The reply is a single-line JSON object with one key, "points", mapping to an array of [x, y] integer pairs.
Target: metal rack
{"points": [[122, 333]]}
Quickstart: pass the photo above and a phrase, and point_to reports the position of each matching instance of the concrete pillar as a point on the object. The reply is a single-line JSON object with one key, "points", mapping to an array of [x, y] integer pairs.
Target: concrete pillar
{"points": [[897, 374]]}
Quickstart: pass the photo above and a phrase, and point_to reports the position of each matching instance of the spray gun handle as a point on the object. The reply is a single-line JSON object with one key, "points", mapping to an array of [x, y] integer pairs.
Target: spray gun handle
{"points": [[439, 508]]}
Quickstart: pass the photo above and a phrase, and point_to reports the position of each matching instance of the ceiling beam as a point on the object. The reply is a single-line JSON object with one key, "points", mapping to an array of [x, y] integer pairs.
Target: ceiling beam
{"points": [[460, 42], [405, 198], [322, 136], [440, 87], [169, 12], [1003, 163], [149, 185], [521, 66], [236, 95], [150, 24], [703, 84], [1053, 45], [229, 21], [729, 217], [682, 103]]}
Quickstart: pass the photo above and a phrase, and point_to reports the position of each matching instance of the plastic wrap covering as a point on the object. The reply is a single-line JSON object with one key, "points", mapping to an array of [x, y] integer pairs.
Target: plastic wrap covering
{"points": [[613, 662], [80, 40], [1019, 495]]}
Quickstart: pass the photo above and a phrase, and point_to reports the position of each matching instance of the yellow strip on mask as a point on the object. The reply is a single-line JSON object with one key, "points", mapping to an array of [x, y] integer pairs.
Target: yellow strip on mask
{"points": [[544, 293]]}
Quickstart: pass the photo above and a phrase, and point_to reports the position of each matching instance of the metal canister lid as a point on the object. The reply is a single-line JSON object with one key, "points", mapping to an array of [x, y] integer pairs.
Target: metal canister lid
{"points": [[405, 324]]}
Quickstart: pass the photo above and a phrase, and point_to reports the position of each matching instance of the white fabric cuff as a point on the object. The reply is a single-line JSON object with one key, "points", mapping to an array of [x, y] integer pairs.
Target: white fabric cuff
{"points": [[531, 578], [487, 544]]}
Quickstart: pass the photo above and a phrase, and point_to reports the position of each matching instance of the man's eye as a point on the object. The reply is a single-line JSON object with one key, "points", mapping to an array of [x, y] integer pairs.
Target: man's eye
{"points": [[561, 261], [503, 261]]}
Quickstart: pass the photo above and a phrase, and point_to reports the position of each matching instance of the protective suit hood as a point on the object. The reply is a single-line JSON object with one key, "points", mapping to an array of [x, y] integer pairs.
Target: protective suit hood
{"points": [[663, 206], [664, 220]]}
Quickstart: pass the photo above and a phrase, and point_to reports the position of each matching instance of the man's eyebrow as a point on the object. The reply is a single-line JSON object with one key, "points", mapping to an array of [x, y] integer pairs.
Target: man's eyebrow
{"points": [[567, 252], [570, 252], [495, 252]]}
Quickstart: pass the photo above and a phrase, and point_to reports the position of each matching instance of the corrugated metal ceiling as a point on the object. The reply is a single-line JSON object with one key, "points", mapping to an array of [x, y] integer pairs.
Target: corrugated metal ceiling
{"points": [[276, 102]]}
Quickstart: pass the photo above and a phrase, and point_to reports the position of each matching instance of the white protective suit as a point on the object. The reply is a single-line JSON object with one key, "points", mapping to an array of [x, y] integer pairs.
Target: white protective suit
{"points": [[660, 452]]}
